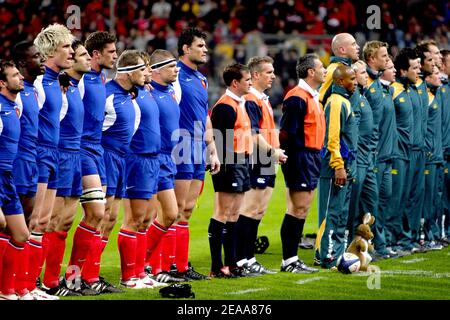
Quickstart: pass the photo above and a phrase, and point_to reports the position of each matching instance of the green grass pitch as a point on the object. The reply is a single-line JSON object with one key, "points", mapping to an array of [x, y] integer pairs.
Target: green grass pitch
{"points": [[419, 276]]}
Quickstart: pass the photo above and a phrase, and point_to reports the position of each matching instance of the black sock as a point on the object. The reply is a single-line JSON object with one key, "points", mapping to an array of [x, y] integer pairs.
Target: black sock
{"points": [[243, 227], [250, 250], [229, 244], [291, 230], [215, 234]]}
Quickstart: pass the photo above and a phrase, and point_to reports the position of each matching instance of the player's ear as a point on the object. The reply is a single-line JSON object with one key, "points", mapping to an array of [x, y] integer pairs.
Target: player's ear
{"points": [[185, 48]]}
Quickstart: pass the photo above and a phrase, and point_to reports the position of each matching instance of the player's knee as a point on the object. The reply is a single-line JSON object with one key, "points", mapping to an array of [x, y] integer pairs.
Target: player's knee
{"points": [[300, 211]]}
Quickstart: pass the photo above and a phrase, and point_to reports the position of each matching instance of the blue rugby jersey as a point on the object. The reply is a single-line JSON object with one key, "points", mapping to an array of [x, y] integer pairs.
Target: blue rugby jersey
{"points": [[147, 138], [119, 125], [50, 103], [9, 132], [169, 115], [93, 92], [72, 116], [191, 90], [29, 110]]}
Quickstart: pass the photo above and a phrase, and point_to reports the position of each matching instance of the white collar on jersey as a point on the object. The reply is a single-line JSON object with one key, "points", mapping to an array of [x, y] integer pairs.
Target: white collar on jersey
{"points": [[302, 84], [259, 95], [234, 97], [385, 82]]}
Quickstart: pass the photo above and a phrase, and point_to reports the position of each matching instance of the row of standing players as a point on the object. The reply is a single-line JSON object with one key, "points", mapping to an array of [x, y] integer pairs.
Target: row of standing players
{"points": [[372, 135], [303, 130], [67, 135]]}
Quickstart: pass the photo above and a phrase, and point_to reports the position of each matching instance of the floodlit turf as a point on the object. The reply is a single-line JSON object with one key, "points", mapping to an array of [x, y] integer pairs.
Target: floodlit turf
{"points": [[419, 276]]}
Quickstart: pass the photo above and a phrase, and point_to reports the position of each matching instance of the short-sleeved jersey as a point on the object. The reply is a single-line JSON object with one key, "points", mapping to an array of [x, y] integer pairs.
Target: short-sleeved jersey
{"points": [[403, 118], [50, 104], [263, 113], [93, 92], [364, 122], [72, 116], [433, 136], [387, 130], [9, 132], [29, 120], [147, 138], [169, 115], [120, 115], [191, 90], [229, 116]]}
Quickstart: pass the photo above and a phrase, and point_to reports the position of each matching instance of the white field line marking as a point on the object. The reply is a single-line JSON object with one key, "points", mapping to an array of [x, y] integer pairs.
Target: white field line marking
{"points": [[422, 273], [309, 280], [247, 291], [414, 260]]}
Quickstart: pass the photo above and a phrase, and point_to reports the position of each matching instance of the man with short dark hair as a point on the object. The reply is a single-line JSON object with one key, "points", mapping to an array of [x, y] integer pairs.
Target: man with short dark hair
{"points": [[302, 132], [262, 167], [400, 222], [191, 91], [337, 167], [13, 260], [233, 135], [87, 242]]}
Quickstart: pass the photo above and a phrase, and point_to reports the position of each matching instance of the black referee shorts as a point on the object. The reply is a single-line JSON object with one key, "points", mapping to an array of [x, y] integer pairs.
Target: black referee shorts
{"points": [[302, 170], [232, 178]]}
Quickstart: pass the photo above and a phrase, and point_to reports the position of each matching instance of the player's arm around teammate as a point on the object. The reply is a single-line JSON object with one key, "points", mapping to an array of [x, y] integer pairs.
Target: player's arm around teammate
{"points": [[302, 132]]}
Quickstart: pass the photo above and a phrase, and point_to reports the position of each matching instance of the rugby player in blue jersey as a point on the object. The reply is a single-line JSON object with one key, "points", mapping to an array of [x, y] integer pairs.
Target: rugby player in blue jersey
{"points": [[54, 43], [122, 115], [12, 260], [195, 135], [161, 234], [68, 184], [87, 243]]}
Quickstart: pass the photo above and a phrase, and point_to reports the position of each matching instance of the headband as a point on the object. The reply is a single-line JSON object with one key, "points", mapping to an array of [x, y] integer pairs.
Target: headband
{"points": [[161, 64], [130, 68]]}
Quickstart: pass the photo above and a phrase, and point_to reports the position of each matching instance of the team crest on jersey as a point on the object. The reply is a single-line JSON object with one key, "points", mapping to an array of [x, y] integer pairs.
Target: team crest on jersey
{"points": [[362, 104], [419, 91], [443, 89], [17, 112], [373, 90], [203, 83], [435, 106], [402, 100], [174, 96], [103, 79]]}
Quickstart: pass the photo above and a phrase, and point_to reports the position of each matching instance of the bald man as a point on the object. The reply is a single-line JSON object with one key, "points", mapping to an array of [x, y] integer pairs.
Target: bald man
{"points": [[345, 52], [337, 168]]}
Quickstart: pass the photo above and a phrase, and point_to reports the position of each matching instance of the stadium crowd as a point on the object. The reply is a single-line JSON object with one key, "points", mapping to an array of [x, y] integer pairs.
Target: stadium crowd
{"points": [[371, 132]]}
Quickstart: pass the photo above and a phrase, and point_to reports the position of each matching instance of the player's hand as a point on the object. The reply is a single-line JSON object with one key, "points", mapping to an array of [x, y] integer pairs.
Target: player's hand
{"points": [[280, 156], [340, 177], [214, 164], [64, 82]]}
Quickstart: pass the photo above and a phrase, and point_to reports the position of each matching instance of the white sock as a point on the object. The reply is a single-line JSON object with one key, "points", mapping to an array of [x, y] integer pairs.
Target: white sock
{"points": [[289, 261], [251, 261], [240, 263]]}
